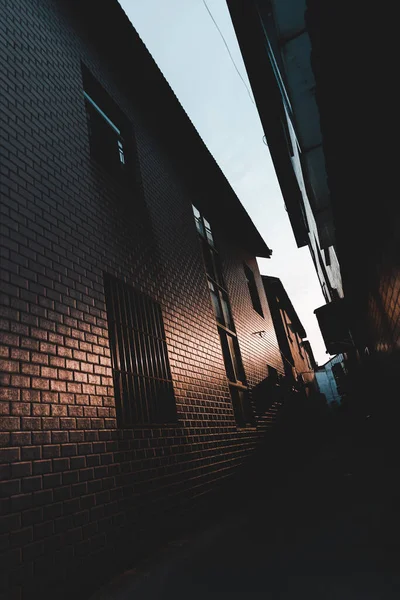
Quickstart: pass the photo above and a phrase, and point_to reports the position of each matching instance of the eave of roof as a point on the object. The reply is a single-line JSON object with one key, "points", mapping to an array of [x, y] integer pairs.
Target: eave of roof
{"points": [[112, 31], [275, 284], [247, 27]]}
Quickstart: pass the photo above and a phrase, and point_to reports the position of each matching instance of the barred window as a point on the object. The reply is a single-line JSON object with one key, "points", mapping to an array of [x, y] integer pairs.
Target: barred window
{"points": [[141, 372]]}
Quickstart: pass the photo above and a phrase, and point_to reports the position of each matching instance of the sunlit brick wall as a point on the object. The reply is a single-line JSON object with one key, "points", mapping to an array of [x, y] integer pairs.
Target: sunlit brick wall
{"points": [[73, 482]]}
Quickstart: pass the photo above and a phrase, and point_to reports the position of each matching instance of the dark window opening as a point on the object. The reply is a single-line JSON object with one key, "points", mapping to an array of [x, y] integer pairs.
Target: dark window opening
{"points": [[232, 358], [141, 372], [109, 129], [241, 407], [286, 132], [226, 328], [335, 294], [327, 291], [272, 374], [251, 283], [327, 256], [286, 325], [299, 344]]}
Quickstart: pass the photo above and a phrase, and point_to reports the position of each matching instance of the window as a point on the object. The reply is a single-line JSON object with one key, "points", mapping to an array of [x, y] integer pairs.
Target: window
{"points": [[106, 123], [286, 324], [327, 257], [141, 371], [241, 407], [251, 283], [299, 344], [328, 288], [226, 328]]}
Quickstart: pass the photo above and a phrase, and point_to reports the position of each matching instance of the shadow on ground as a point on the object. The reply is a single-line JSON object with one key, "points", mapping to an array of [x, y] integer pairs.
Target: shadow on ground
{"points": [[315, 516]]}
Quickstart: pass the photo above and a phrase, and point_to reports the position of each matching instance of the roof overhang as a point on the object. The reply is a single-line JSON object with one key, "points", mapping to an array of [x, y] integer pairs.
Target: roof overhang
{"points": [[333, 323], [124, 53], [250, 36]]}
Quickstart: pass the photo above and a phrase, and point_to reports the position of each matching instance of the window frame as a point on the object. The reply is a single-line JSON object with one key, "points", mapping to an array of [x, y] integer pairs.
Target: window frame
{"points": [[139, 354], [113, 154], [236, 376], [253, 289]]}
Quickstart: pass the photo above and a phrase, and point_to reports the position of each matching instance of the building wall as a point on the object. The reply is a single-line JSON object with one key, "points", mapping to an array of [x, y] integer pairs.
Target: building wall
{"points": [[74, 483], [296, 359], [367, 219], [298, 355], [329, 274], [383, 306], [326, 380], [291, 47]]}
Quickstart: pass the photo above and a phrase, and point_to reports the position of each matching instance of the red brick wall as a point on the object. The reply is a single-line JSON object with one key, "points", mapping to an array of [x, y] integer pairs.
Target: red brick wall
{"points": [[384, 303], [72, 481]]}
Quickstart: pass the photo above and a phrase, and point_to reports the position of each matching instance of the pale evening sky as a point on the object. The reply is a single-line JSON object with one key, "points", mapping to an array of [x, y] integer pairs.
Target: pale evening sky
{"points": [[188, 49]]}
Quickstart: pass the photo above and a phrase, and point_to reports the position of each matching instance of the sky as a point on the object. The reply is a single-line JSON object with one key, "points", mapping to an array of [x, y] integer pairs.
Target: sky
{"points": [[189, 50]]}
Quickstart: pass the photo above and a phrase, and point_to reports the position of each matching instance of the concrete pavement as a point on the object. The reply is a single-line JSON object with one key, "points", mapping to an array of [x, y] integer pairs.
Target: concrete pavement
{"points": [[326, 526]]}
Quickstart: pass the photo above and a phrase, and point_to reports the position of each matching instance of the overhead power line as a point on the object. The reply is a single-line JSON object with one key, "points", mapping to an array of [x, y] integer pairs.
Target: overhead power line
{"points": [[229, 52]]}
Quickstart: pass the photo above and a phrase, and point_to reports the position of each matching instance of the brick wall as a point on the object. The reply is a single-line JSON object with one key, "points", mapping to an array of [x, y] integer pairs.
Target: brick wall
{"points": [[73, 482], [384, 302]]}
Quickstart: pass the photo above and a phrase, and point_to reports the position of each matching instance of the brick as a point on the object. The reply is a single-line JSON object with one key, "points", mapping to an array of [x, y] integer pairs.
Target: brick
{"points": [[50, 423], [41, 437], [9, 394], [32, 516], [20, 354], [32, 484], [61, 464], [20, 408], [9, 523], [30, 423], [9, 423], [40, 384], [21, 438], [21, 469], [8, 488], [30, 396], [42, 466], [29, 369], [43, 497], [9, 454], [59, 410], [59, 437], [11, 558], [52, 451], [4, 408], [40, 410], [9, 366], [21, 536], [20, 381]]}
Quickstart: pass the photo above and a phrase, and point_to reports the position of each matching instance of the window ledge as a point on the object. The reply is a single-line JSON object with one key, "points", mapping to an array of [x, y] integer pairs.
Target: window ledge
{"points": [[245, 429]]}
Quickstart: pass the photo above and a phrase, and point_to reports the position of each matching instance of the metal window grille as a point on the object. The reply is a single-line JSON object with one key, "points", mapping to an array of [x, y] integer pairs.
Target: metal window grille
{"points": [[141, 372]]}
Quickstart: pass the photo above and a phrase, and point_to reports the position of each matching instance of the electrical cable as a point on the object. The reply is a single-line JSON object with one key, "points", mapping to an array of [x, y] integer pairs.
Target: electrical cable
{"points": [[229, 52]]}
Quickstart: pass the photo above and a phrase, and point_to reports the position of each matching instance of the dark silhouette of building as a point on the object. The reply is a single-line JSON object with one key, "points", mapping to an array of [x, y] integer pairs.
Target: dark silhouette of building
{"points": [[309, 66], [298, 358], [331, 379], [360, 175], [275, 47], [131, 300]]}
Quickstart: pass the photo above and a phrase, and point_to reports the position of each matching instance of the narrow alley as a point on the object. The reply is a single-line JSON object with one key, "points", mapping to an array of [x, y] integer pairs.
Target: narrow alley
{"points": [[324, 524], [200, 303]]}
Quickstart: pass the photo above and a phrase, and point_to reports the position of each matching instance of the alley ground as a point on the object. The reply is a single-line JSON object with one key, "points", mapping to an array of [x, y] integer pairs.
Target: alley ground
{"points": [[322, 524]]}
